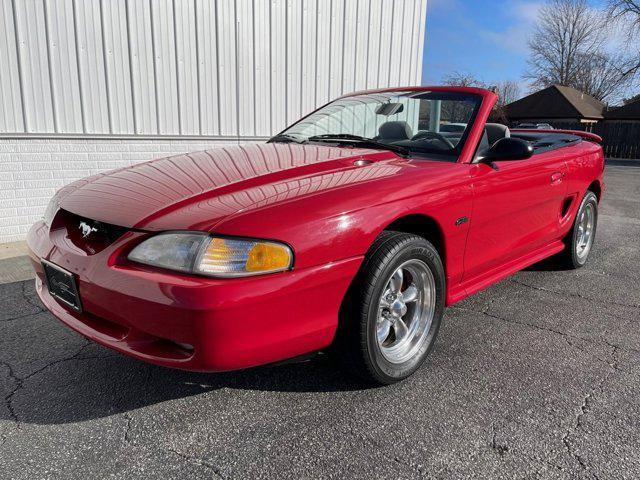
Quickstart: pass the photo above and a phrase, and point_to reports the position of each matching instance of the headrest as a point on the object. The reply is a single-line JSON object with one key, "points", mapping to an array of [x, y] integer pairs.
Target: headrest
{"points": [[396, 130], [496, 131]]}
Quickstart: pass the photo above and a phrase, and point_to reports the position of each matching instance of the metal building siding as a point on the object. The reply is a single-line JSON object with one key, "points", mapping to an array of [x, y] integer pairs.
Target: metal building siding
{"points": [[278, 47], [187, 66], [142, 58], [227, 45], [196, 67], [208, 72], [164, 48], [64, 72], [90, 53], [418, 40], [11, 119], [262, 67], [336, 41], [33, 59], [117, 65]]}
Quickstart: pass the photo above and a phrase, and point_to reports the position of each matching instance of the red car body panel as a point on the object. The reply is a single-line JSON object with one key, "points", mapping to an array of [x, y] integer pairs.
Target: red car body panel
{"points": [[322, 203]]}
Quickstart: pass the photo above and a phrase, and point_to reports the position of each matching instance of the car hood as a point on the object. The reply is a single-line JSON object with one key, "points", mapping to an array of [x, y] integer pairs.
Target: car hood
{"points": [[198, 190]]}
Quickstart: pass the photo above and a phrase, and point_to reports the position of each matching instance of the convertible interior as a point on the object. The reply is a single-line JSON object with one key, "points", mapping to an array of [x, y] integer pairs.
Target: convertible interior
{"points": [[400, 133]]}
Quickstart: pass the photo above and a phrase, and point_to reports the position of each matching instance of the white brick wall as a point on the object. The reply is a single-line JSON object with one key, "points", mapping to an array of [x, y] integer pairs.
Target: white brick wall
{"points": [[31, 170]]}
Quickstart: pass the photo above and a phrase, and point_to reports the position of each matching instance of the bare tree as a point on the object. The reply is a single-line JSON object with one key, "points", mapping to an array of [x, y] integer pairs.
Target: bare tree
{"points": [[601, 76], [567, 30], [508, 92], [567, 48], [626, 13], [458, 111], [462, 79]]}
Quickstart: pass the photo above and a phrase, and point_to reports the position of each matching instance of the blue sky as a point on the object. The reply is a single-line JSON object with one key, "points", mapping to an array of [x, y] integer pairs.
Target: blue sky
{"points": [[486, 38]]}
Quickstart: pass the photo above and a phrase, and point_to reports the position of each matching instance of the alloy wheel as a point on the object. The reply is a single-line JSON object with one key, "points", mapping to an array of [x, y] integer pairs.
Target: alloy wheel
{"points": [[406, 310]]}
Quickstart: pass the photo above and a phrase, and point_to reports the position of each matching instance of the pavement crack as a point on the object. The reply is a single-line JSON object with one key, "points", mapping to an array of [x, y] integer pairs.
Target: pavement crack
{"points": [[531, 325], [126, 438], [613, 364], [61, 360], [566, 439], [497, 447], [9, 396], [196, 460], [573, 295], [614, 355], [566, 336], [615, 348], [502, 449], [29, 299], [20, 381], [127, 431]]}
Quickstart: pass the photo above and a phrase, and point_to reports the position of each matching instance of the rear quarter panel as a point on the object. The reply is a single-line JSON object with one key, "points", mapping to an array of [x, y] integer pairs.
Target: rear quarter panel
{"points": [[585, 165]]}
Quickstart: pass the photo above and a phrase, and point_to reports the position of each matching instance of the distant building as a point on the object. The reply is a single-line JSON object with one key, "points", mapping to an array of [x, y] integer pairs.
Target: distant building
{"points": [[556, 104], [566, 107], [627, 113]]}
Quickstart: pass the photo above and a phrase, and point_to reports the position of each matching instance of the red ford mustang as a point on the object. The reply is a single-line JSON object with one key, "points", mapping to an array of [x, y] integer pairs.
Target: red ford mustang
{"points": [[353, 228]]}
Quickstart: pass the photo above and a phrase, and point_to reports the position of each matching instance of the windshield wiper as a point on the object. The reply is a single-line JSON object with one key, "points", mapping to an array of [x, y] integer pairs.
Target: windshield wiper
{"points": [[286, 138], [356, 139]]}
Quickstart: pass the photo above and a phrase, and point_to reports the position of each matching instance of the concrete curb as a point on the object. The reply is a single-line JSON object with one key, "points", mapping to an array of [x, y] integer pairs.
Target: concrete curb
{"points": [[16, 269], [13, 249], [14, 263]]}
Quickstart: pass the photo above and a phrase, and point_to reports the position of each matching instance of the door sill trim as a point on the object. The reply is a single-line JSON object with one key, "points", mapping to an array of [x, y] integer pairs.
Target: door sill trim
{"points": [[486, 279]]}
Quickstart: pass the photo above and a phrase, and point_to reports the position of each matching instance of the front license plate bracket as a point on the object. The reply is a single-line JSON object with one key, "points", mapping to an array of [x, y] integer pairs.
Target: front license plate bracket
{"points": [[62, 285]]}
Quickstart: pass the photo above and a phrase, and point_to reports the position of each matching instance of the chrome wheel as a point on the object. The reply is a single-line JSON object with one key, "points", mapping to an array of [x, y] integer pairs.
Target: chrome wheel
{"points": [[405, 311], [586, 227]]}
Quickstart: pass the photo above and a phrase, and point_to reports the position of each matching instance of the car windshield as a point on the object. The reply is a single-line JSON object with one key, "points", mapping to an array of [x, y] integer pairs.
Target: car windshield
{"points": [[409, 122]]}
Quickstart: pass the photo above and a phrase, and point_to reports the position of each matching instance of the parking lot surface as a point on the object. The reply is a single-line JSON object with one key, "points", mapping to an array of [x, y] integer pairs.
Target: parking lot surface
{"points": [[536, 377]]}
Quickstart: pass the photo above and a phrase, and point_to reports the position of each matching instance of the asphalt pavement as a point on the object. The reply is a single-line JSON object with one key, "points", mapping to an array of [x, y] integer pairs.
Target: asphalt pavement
{"points": [[536, 377]]}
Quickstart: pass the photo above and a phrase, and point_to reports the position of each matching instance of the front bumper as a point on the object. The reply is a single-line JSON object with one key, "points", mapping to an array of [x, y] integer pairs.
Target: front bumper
{"points": [[189, 322]]}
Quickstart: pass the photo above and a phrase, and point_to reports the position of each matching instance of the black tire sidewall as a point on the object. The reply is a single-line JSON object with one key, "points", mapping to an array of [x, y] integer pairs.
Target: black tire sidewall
{"points": [[418, 249]]}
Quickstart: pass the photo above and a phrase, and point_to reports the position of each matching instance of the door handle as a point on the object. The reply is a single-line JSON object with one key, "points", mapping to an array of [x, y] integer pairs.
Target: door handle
{"points": [[557, 178]]}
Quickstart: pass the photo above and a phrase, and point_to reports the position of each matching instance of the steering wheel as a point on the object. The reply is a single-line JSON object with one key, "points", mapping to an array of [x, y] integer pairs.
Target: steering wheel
{"points": [[427, 135]]}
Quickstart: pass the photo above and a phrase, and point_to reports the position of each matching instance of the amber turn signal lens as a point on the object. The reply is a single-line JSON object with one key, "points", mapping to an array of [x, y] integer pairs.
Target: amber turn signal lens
{"points": [[268, 257], [230, 257]]}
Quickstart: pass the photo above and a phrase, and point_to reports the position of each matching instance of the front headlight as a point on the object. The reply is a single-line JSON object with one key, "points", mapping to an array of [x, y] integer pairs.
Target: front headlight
{"points": [[213, 256], [52, 209]]}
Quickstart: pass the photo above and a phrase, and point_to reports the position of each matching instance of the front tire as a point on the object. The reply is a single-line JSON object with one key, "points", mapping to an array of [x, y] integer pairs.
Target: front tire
{"points": [[392, 313], [579, 241]]}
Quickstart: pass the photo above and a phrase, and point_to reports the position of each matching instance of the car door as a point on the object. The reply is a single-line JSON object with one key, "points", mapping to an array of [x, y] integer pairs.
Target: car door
{"points": [[516, 209]]}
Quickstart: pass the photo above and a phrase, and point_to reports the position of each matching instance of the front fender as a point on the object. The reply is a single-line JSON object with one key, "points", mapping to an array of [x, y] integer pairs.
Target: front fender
{"points": [[338, 227]]}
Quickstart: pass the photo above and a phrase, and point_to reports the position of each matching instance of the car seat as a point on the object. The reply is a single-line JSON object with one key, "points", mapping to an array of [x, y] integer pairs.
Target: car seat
{"points": [[394, 131]]}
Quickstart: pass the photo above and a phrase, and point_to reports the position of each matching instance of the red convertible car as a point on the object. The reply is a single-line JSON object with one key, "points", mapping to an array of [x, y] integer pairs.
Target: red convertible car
{"points": [[352, 229]]}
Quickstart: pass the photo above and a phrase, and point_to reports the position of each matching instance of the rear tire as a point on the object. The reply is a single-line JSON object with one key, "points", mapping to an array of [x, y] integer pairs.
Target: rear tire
{"points": [[392, 312], [579, 241]]}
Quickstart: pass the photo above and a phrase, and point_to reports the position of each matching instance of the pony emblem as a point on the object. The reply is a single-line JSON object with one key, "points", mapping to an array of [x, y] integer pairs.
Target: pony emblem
{"points": [[86, 229]]}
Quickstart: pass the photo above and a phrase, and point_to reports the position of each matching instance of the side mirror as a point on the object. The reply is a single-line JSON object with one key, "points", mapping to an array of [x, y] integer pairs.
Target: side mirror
{"points": [[507, 149]]}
